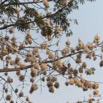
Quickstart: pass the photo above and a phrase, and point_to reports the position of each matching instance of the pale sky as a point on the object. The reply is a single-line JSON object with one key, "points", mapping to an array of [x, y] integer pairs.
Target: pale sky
{"points": [[90, 19]]}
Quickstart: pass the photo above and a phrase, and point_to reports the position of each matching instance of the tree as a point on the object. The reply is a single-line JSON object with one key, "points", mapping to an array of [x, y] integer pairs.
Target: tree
{"points": [[37, 55]]}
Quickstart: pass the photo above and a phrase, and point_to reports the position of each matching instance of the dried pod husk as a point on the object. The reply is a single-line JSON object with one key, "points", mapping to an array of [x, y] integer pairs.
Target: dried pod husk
{"points": [[36, 65], [6, 90], [43, 66], [32, 80], [67, 83], [78, 60], [65, 51], [80, 69], [51, 56], [51, 89], [88, 71], [49, 83], [54, 79], [79, 102], [8, 97], [21, 77], [59, 63], [11, 30], [33, 88], [63, 2], [90, 46], [86, 49], [91, 100], [96, 92], [16, 90], [35, 50], [46, 3], [17, 73], [68, 43], [22, 66], [56, 85], [84, 64], [27, 99], [75, 72], [9, 80], [7, 38], [71, 81], [95, 85], [44, 46], [11, 101], [21, 94], [101, 63], [33, 72]]}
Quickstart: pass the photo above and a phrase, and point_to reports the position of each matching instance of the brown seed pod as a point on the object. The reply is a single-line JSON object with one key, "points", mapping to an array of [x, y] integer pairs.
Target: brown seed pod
{"points": [[84, 64], [90, 100], [16, 90], [71, 81], [101, 63], [95, 85], [9, 80], [21, 77], [21, 94], [81, 70], [18, 73], [33, 72], [75, 72], [36, 65], [8, 97], [27, 99], [67, 83], [56, 85], [11, 30], [33, 88], [68, 43], [51, 89], [11, 101], [46, 3], [43, 66], [49, 83], [35, 50], [95, 92], [6, 90], [32, 80], [88, 71]]}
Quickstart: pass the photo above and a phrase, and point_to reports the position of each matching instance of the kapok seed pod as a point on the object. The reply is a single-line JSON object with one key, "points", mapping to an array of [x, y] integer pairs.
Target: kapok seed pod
{"points": [[8, 97], [21, 77], [46, 3], [27, 99], [90, 100], [80, 69], [84, 64], [29, 35], [32, 89], [51, 56], [43, 66], [67, 83], [88, 71], [29, 41], [96, 92], [43, 79], [35, 50], [49, 83], [11, 101], [75, 72], [79, 102], [32, 80], [101, 63], [9, 80], [71, 81], [21, 94], [56, 85], [67, 43], [51, 89], [36, 65], [22, 66], [6, 90], [33, 72], [16, 90], [54, 79], [95, 85], [11, 30], [7, 37], [17, 73]]}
